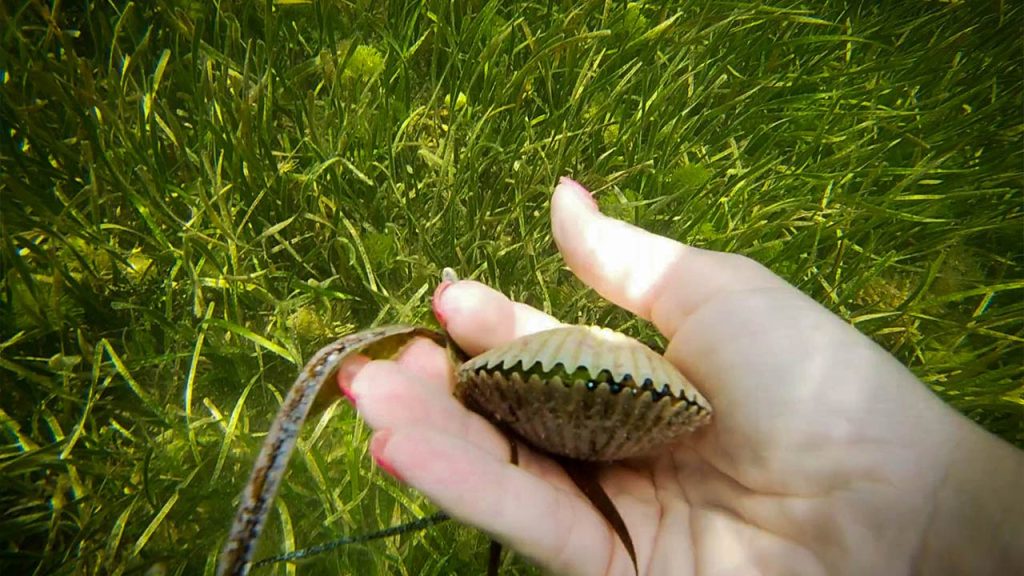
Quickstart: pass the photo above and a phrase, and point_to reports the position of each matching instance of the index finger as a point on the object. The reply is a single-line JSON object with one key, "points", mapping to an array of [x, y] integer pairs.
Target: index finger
{"points": [[479, 317]]}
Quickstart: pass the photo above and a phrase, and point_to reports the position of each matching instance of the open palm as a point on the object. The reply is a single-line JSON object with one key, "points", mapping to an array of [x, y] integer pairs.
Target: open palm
{"points": [[824, 455]]}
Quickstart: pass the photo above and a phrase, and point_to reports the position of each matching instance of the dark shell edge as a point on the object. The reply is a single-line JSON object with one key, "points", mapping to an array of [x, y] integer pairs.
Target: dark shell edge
{"points": [[577, 422], [592, 382]]}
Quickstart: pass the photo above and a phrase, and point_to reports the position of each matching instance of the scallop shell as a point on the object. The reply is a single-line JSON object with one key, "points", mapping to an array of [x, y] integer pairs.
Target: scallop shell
{"points": [[583, 392]]}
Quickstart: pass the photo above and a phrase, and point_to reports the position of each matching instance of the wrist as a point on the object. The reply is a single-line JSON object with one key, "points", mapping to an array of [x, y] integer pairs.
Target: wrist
{"points": [[977, 520]]}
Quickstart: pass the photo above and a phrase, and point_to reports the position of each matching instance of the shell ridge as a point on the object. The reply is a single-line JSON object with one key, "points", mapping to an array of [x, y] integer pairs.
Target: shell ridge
{"points": [[562, 348]]}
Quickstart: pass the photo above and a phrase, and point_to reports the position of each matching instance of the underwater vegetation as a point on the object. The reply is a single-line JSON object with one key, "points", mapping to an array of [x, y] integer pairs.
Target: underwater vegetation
{"points": [[195, 196]]}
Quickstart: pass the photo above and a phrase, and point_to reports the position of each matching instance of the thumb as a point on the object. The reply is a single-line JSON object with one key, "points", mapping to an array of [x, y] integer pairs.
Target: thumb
{"points": [[654, 277]]}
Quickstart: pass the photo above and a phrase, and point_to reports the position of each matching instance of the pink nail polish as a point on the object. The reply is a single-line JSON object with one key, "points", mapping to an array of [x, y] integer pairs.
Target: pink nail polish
{"points": [[347, 375], [435, 302], [580, 191], [347, 392], [377, 445]]}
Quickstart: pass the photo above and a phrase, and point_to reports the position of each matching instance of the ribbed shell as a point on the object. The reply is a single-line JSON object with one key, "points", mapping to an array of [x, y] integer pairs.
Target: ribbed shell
{"points": [[524, 386]]}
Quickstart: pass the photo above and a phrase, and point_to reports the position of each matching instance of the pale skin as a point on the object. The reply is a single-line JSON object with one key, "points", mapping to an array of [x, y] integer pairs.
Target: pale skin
{"points": [[825, 454]]}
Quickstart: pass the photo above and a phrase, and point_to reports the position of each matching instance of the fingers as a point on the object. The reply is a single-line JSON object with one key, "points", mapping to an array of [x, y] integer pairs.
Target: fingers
{"points": [[432, 365], [479, 318], [547, 524], [650, 275], [390, 395], [461, 462], [415, 390]]}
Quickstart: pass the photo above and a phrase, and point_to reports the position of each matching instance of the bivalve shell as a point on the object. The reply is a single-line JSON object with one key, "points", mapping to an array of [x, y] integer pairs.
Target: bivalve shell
{"points": [[588, 393]]}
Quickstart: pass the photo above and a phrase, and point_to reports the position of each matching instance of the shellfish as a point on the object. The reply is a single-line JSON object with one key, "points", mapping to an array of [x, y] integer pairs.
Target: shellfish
{"points": [[580, 394]]}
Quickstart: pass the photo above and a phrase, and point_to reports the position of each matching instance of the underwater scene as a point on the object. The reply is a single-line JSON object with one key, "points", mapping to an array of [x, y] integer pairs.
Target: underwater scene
{"points": [[197, 196]]}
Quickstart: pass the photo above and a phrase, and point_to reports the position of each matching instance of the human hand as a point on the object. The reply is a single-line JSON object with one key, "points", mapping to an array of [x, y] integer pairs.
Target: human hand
{"points": [[825, 455]]}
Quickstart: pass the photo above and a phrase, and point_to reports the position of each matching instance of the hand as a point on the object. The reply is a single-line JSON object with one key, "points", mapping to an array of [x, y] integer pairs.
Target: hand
{"points": [[825, 454]]}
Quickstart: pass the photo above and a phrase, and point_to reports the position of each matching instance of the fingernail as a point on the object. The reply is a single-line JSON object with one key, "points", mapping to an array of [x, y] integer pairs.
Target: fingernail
{"points": [[578, 189], [377, 445], [347, 374], [347, 392], [435, 303]]}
